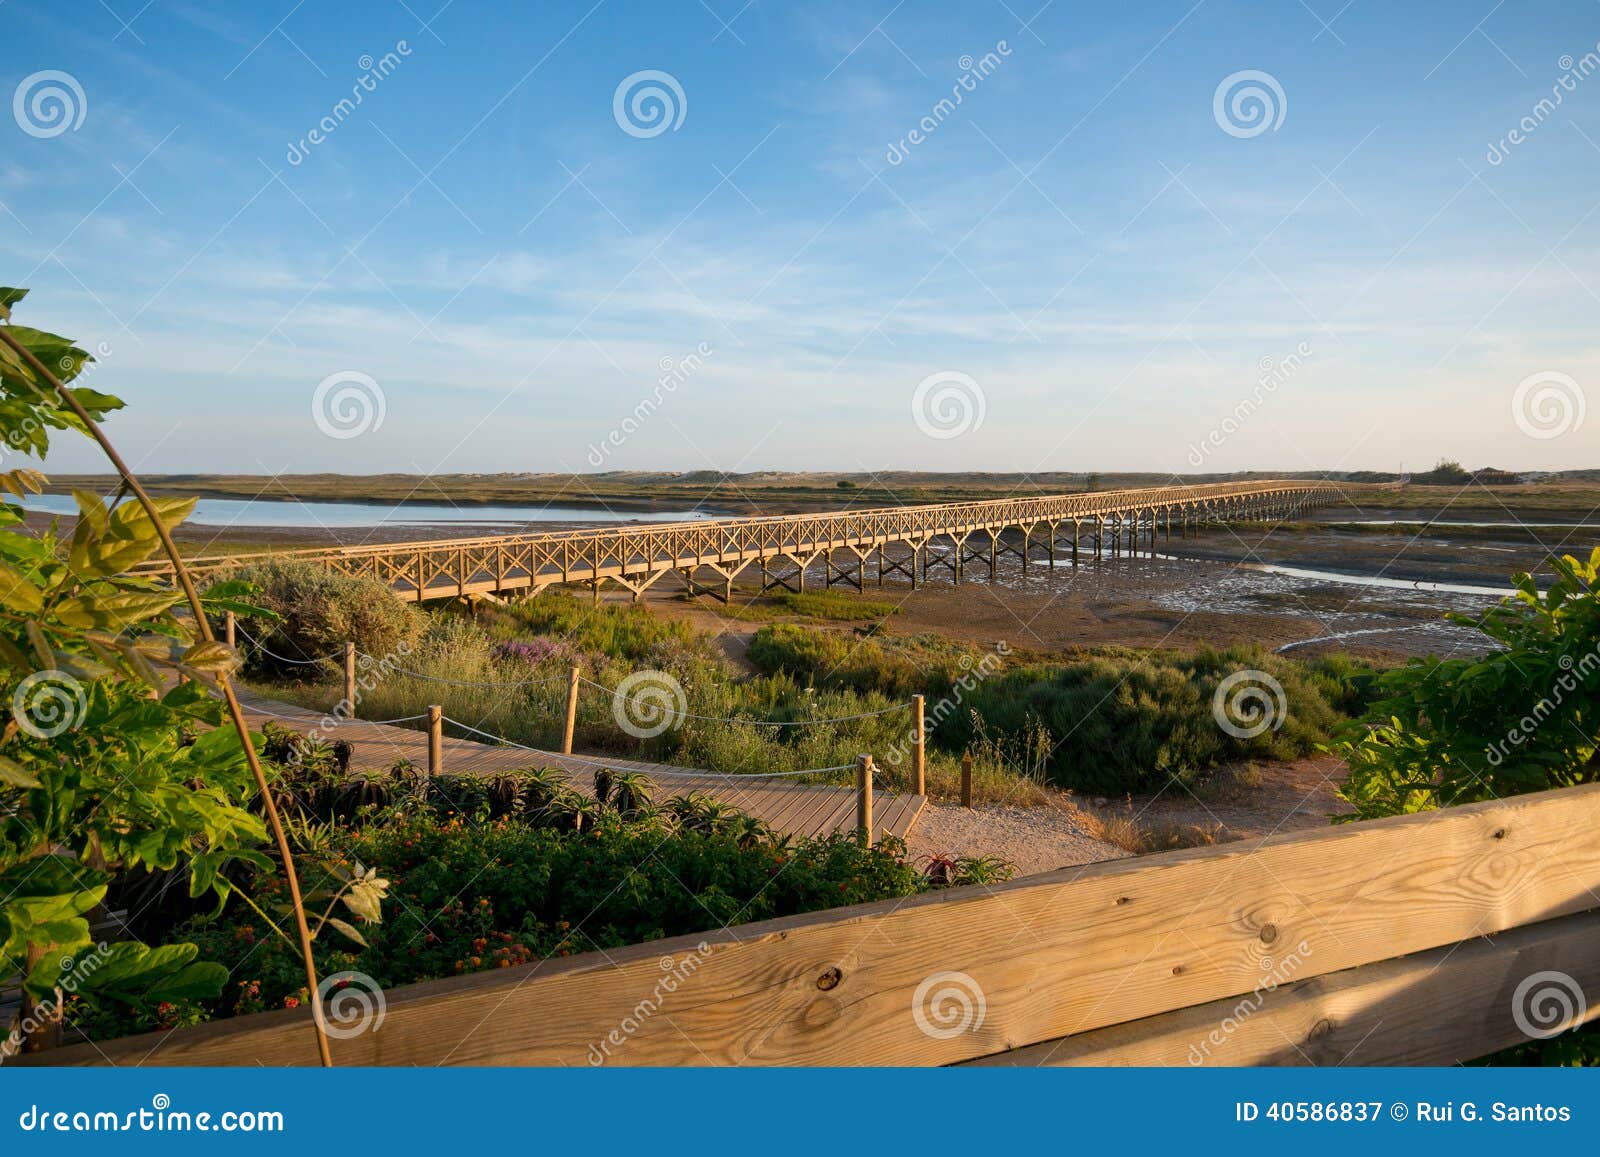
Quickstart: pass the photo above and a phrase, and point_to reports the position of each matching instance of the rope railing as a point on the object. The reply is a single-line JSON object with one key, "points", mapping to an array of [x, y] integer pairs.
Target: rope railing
{"points": [[653, 769], [436, 720], [265, 650]]}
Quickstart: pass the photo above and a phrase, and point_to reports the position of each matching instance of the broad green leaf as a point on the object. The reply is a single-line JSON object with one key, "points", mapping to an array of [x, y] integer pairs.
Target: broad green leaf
{"points": [[14, 774], [113, 610], [347, 929], [17, 592]]}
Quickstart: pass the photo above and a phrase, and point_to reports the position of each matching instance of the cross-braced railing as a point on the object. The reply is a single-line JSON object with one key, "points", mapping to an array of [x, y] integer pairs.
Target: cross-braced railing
{"points": [[635, 556]]}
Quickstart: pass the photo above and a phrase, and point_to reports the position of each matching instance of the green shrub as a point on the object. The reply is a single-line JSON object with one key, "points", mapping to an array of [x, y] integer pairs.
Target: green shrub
{"points": [[1521, 718], [319, 610], [1112, 723], [538, 892]]}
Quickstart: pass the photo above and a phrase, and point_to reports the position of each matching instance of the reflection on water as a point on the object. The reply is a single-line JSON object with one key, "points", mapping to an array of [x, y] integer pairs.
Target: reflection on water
{"points": [[1450, 522], [345, 515]]}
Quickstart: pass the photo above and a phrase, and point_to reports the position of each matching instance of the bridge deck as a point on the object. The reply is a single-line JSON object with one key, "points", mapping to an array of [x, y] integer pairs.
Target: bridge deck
{"points": [[799, 809], [636, 556]]}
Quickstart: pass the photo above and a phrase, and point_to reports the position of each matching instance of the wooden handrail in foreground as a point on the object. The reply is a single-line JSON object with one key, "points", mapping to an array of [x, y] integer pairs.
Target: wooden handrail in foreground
{"points": [[1039, 959]]}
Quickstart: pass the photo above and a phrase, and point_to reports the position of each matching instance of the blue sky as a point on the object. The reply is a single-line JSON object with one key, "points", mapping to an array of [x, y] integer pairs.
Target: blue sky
{"points": [[1081, 245]]}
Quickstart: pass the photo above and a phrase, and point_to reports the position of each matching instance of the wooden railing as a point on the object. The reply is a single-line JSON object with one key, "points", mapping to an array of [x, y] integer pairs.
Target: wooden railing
{"points": [[1404, 940], [636, 556]]}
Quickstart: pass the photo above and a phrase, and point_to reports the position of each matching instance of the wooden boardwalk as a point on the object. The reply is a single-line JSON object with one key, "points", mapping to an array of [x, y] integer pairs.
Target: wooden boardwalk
{"points": [[799, 809], [837, 547]]}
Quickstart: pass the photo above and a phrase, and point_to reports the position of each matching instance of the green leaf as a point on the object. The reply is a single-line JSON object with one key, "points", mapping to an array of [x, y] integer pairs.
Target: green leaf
{"points": [[113, 610], [9, 297], [14, 774], [17, 592], [347, 929], [129, 536]]}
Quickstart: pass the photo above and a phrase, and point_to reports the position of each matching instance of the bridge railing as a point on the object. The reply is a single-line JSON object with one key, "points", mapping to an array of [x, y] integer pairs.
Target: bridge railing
{"points": [[562, 549], [1422, 939]]}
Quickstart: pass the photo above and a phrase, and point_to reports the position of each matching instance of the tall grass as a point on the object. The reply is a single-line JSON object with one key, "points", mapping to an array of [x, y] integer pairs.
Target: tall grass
{"points": [[1111, 723]]}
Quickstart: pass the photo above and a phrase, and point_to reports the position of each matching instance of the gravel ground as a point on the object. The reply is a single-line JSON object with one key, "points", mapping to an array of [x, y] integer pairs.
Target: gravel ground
{"points": [[1035, 839]]}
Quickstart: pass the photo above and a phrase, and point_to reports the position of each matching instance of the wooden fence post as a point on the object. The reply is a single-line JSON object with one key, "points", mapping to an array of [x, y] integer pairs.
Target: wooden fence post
{"points": [[919, 750], [350, 680], [572, 712], [864, 800], [966, 781], [229, 628], [435, 739]]}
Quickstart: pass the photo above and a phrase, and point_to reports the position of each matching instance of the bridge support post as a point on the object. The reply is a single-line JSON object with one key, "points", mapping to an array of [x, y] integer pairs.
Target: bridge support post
{"points": [[1074, 542]]}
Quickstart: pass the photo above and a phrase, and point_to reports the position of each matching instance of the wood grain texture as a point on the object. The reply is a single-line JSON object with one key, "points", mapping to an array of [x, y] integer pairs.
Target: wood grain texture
{"points": [[1441, 1007], [1053, 955]]}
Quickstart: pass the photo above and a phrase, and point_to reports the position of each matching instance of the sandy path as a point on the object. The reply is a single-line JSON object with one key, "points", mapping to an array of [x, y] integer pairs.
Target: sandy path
{"points": [[1034, 839]]}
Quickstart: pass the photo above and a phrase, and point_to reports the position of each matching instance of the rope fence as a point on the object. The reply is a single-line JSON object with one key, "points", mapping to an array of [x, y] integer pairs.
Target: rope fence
{"points": [[650, 706]]}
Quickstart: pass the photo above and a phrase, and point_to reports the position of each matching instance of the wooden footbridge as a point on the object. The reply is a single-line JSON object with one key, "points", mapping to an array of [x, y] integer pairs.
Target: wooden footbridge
{"points": [[710, 555]]}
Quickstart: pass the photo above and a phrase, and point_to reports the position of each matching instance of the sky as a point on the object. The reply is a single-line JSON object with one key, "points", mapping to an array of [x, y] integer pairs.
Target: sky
{"points": [[1301, 235]]}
